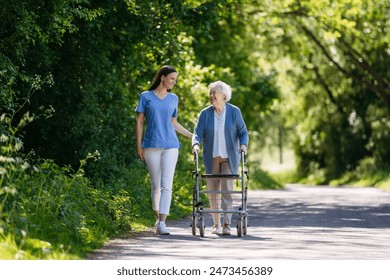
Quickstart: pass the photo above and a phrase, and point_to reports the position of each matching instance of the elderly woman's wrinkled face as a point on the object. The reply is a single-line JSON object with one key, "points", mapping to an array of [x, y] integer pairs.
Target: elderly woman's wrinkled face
{"points": [[217, 97]]}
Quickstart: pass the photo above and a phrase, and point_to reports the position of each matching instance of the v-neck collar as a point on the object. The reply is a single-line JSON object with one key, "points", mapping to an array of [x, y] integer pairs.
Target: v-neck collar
{"points": [[158, 97]]}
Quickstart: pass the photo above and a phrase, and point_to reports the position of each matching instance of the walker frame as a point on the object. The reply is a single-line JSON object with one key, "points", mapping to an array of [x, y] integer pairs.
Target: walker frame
{"points": [[198, 207]]}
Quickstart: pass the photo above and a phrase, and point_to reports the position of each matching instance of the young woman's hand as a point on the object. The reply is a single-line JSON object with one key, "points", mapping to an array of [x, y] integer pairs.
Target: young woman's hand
{"points": [[140, 154]]}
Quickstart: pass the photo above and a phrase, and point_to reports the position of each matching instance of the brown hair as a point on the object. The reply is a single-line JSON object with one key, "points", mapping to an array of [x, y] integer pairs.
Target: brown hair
{"points": [[164, 71]]}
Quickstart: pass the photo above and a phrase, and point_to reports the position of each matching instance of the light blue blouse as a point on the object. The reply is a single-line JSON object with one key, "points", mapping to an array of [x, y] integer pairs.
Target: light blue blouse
{"points": [[219, 145]]}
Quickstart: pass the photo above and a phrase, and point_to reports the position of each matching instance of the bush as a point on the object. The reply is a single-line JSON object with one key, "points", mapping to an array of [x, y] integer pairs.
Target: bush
{"points": [[61, 210], [379, 142]]}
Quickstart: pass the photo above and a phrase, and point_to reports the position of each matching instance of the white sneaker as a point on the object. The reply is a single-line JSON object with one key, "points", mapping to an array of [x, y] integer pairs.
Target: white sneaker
{"points": [[226, 230], [162, 229], [216, 230]]}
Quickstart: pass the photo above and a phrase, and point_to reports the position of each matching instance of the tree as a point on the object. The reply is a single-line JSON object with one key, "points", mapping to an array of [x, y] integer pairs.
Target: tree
{"points": [[337, 51]]}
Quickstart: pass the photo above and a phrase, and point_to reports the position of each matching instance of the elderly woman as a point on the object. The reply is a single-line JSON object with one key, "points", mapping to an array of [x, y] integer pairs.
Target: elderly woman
{"points": [[223, 133]]}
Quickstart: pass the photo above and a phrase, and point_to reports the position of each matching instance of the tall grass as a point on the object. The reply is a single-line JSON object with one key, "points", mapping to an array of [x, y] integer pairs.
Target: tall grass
{"points": [[56, 213], [366, 174]]}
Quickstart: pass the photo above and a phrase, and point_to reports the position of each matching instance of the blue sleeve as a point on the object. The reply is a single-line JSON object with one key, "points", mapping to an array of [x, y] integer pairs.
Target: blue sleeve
{"points": [[241, 129], [175, 113], [197, 137], [140, 107]]}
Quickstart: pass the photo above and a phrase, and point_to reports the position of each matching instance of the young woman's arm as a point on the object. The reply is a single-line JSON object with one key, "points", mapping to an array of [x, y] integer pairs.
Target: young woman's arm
{"points": [[179, 128], [138, 134]]}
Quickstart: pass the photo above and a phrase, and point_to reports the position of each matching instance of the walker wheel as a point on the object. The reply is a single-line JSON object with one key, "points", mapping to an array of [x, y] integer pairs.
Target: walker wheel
{"points": [[193, 225], [201, 227], [245, 225], [239, 227]]}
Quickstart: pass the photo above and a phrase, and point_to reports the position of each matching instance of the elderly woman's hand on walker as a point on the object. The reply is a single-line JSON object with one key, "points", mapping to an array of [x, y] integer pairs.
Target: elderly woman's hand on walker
{"points": [[196, 149], [243, 148]]}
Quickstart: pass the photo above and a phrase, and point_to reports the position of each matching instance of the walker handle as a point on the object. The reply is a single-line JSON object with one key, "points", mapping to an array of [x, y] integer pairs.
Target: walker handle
{"points": [[196, 156]]}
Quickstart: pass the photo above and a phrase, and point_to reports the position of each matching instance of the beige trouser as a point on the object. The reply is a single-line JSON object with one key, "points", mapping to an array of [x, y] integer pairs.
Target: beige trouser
{"points": [[221, 166]]}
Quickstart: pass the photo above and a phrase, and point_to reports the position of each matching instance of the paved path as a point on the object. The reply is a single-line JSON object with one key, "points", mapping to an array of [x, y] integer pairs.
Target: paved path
{"points": [[298, 223]]}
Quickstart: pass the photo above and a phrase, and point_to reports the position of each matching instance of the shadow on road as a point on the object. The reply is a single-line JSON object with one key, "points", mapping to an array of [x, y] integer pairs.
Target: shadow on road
{"points": [[329, 209], [295, 223]]}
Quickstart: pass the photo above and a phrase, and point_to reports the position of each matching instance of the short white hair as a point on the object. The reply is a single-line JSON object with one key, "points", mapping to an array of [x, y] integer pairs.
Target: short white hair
{"points": [[224, 88]]}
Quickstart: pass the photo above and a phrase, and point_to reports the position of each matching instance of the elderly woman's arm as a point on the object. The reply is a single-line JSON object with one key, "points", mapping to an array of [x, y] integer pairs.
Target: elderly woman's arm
{"points": [[242, 133], [198, 135], [179, 128]]}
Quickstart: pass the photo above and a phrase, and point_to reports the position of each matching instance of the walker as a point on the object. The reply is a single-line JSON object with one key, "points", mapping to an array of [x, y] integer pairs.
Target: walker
{"points": [[240, 191]]}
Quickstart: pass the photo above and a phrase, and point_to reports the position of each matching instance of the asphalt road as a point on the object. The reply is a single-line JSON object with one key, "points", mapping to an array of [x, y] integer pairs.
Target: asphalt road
{"points": [[298, 223]]}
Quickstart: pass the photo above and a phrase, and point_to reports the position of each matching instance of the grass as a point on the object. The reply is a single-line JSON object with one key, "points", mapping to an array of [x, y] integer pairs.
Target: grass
{"points": [[272, 173], [59, 214], [365, 178], [268, 171]]}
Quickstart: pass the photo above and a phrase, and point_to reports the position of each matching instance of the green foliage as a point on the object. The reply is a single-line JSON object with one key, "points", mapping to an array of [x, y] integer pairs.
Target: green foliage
{"points": [[258, 179], [327, 57], [379, 142], [52, 212], [183, 183], [231, 44], [366, 174], [56, 211]]}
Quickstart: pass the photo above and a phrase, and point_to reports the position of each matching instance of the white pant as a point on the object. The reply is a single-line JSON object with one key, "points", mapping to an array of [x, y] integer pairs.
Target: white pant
{"points": [[161, 164]]}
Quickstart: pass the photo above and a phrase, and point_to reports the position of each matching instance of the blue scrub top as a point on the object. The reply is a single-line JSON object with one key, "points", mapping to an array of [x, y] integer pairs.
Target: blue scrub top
{"points": [[160, 132]]}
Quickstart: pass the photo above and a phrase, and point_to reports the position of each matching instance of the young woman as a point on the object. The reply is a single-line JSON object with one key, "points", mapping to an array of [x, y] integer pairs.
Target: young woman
{"points": [[159, 147]]}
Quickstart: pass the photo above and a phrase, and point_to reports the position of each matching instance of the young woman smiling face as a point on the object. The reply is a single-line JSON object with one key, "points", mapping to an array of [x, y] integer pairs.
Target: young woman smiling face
{"points": [[169, 81]]}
